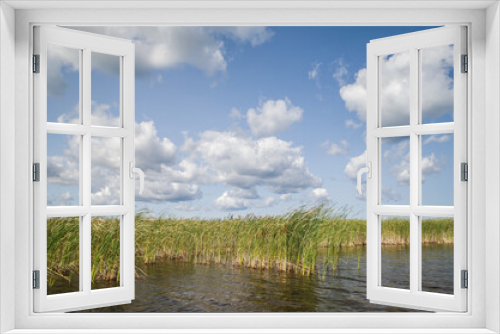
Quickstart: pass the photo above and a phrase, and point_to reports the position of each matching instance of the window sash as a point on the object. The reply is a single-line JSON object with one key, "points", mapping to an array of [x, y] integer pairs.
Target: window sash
{"points": [[414, 298], [86, 297]]}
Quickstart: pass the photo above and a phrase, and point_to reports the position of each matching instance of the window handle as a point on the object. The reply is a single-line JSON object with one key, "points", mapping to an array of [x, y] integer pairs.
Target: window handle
{"points": [[368, 171], [134, 170]]}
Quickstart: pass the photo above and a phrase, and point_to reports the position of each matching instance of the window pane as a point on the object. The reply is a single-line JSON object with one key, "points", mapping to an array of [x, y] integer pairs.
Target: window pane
{"points": [[395, 89], [106, 171], [105, 90], [63, 170], [437, 84], [437, 169], [105, 252], [395, 170], [395, 251], [63, 255], [63, 84], [437, 254]]}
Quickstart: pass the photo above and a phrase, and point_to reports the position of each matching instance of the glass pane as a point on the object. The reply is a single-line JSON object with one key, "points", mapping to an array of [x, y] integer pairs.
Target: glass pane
{"points": [[395, 89], [105, 90], [63, 170], [437, 169], [395, 170], [63, 84], [105, 252], [437, 84], [63, 255], [106, 172], [437, 254], [395, 251]]}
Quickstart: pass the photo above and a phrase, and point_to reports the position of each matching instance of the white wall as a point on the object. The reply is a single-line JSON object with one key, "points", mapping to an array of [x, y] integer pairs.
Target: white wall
{"points": [[491, 167], [7, 160]]}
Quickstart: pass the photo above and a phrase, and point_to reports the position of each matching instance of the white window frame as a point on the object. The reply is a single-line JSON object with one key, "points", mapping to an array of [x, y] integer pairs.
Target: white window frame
{"points": [[484, 212]]}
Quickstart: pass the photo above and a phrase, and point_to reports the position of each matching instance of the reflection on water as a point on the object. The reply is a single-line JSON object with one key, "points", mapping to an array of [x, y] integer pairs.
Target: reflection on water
{"points": [[188, 287]]}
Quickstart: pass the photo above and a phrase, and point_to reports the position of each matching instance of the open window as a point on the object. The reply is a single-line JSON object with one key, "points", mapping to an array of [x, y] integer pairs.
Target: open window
{"points": [[69, 204], [403, 116]]}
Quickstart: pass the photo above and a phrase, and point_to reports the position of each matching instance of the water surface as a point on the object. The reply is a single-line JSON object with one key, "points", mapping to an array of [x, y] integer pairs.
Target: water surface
{"points": [[187, 287]]}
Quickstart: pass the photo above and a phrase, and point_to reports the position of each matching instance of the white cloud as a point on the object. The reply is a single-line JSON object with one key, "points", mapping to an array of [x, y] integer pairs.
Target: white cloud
{"points": [[285, 197], [158, 48], [436, 139], [63, 170], [341, 72], [244, 34], [150, 149], [235, 114], [236, 199], [268, 202], [437, 87], [60, 60], [336, 149], [390, 195], [350, 123], [66, 197], [354, 165], [237, 161], [165, 181], [430, 165], [313, 73], [243, 162], [229, 202], [354, 95], [272, 117], [320, 195]]}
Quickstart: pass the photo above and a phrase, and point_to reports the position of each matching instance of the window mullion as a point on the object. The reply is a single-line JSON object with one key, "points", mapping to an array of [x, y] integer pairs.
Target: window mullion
{"points": [[414, 170], [86, 166]]}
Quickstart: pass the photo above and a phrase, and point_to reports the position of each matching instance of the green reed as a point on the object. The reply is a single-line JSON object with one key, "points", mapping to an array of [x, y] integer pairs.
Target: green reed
{"points": [[290, 243]]}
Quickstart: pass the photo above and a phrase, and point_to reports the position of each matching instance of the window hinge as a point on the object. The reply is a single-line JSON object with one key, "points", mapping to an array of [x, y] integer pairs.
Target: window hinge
{"points": [[465, 279], [36, 63], [36, 172], [36, 279], [464, 171], [465, 64]]}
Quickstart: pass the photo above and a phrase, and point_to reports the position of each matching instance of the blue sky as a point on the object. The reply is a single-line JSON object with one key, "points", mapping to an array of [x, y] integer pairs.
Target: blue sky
{"points": [[239, 120]]}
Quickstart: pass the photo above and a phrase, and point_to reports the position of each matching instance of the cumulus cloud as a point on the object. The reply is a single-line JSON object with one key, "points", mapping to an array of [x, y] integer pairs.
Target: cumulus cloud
{"points": [[354, 165], [243, 162], [235, 199], [238, 161], [165, 180], [320, 195], [398, 156], [354, 95], [336, 149], [150, 150], [272, 117], [437, 87], [159, 48]]}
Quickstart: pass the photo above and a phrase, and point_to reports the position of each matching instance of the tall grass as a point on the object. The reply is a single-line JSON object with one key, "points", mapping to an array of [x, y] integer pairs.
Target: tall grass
{"points": [[290, 243]]}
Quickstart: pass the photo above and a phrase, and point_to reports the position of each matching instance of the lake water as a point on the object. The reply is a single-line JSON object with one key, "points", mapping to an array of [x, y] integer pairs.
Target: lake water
{"points": [[187, 287]]}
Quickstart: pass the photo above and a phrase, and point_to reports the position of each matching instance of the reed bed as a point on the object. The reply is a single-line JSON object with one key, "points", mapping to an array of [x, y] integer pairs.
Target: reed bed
{"points": [[299, 241]]}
